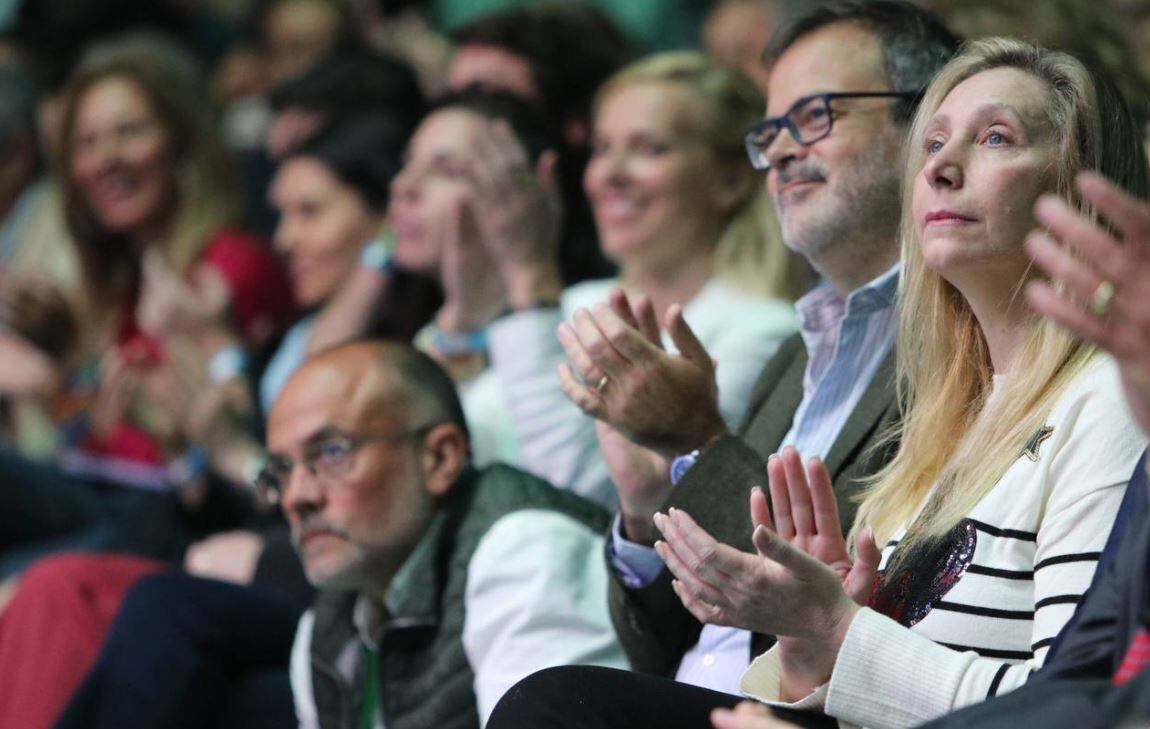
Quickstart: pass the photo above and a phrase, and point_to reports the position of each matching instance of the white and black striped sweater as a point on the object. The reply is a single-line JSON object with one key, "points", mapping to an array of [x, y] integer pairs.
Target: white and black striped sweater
{"points": [[984, 609]]}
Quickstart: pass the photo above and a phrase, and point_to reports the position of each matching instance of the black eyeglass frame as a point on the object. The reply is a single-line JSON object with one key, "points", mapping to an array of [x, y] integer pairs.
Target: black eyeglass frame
{"points": [[270, 486], [757, 152]]}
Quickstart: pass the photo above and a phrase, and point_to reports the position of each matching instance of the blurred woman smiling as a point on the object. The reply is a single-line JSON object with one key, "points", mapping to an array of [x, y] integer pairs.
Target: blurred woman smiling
{"points": [[683, 216]]}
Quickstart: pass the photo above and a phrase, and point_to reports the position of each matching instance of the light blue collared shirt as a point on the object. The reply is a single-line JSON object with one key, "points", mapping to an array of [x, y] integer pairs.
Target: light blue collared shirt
{"points": [[846, 342]]}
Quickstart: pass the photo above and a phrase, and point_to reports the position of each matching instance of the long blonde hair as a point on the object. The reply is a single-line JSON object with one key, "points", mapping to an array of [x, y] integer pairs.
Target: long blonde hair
{"points": [[750, 251], [207, 196], [947, 443]]}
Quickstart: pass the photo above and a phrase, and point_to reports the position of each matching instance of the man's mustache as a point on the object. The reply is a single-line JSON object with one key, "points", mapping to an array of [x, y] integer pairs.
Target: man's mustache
{"points": [[315, 527], [808, 173]]}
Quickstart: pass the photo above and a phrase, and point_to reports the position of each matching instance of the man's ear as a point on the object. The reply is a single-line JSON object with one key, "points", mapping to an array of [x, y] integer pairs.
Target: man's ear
{"points": [[445, 454]]}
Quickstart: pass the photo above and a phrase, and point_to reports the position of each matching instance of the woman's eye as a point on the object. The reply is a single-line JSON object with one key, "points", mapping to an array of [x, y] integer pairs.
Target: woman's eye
{"points": [[933, 146], [996, 138]]}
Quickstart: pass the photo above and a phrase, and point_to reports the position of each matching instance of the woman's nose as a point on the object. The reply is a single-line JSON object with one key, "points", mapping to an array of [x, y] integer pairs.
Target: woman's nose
{"points": [[944, 168]]}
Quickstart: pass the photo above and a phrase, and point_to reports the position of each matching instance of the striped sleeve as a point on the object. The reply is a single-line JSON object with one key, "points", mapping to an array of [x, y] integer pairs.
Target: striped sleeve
{"points": [[891, 676], [1040, 532]]}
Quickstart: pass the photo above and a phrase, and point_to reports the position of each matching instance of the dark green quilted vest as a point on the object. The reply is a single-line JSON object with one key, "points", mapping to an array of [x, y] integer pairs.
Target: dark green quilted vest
{"points": [[426, 682]]}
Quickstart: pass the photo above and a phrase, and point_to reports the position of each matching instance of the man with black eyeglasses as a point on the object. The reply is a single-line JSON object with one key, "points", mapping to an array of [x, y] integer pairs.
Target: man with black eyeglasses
{"points": [[440, 585], [843, 85]]}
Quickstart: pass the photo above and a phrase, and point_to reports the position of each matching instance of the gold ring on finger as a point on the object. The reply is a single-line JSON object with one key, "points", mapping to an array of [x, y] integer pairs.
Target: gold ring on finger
{"points": [[1102, 298], [601, 385]]}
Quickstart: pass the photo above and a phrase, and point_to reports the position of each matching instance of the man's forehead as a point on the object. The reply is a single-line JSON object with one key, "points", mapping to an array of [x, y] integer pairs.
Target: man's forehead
{"points": [[328, 394], [837, 57]]}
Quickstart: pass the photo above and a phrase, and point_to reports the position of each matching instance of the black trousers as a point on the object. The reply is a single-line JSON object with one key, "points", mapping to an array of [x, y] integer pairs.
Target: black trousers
{"points": [[190, 652], [588, 697]]}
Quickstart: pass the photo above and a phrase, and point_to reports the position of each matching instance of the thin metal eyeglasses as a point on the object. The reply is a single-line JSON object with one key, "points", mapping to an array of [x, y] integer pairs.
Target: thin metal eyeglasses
{"points": [[808, 120], [327, 456]]}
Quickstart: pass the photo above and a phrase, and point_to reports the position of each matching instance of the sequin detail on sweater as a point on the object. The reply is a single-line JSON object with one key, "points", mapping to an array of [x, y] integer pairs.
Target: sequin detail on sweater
{"points": [[925, 575]]}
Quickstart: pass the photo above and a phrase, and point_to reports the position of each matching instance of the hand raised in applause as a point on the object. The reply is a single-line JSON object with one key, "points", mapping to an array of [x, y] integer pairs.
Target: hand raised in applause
{"points": [[518, 214], [806, 514], [204, 412], [1100, 286], [640, 475], [787, 589], [619, 375], [170, 305], [473, 293], [120, 381], [501, 243]]}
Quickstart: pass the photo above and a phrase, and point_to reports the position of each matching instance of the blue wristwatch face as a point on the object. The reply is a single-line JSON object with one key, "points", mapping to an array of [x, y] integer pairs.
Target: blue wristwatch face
{"points": [[681, 465]]}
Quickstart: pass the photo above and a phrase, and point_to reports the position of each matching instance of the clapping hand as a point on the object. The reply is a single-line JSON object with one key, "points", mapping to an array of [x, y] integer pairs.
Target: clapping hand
{"points": [[518, 213], [801, 585], [806, 514], [781, 590], [500, 241], [169, 305], [119, 382], [472, 290], [1100, 286], [619, 373], [640, 474]]}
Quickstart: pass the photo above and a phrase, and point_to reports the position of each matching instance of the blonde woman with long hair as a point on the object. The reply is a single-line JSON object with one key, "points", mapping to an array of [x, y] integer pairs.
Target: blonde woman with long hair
{"points": [[1015, 444], [681, 214]]}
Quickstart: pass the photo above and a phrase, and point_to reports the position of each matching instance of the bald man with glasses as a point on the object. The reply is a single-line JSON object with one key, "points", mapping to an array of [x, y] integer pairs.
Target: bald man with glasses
{"points": [[439, 584]]}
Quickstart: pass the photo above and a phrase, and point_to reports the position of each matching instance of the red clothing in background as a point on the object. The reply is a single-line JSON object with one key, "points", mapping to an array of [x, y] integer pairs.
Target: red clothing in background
{"points": [[51, 631]]}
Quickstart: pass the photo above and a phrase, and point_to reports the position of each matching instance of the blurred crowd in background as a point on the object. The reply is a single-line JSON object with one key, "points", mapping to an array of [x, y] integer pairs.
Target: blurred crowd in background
{"points": [[197, 194]]}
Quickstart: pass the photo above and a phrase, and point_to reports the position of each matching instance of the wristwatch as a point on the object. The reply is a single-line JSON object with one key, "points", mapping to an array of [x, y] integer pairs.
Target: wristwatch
{"points": [[682, 464]]}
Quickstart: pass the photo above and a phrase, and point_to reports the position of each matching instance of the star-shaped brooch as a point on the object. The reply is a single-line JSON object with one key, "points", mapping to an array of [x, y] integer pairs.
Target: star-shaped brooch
{"points": [[1035, 442]]}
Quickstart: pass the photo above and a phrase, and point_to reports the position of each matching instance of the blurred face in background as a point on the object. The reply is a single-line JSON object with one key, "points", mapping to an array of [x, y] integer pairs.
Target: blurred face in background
{"points": [[298, 34], [122, 160], [427, 194], [323, 225], [654, 182], [493, 69], [735, 35]]}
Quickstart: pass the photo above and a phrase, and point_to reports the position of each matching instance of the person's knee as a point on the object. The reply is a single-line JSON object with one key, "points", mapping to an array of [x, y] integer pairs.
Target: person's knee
{"points": [[546, 699], [162, 594]]}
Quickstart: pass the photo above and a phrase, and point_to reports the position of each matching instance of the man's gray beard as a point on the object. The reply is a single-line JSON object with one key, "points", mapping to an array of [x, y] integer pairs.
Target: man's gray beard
{"points": [[863, 210]]}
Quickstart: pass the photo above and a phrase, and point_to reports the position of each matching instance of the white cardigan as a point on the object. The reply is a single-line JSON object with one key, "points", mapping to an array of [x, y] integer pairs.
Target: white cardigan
{"points": [[1036, 540]]}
